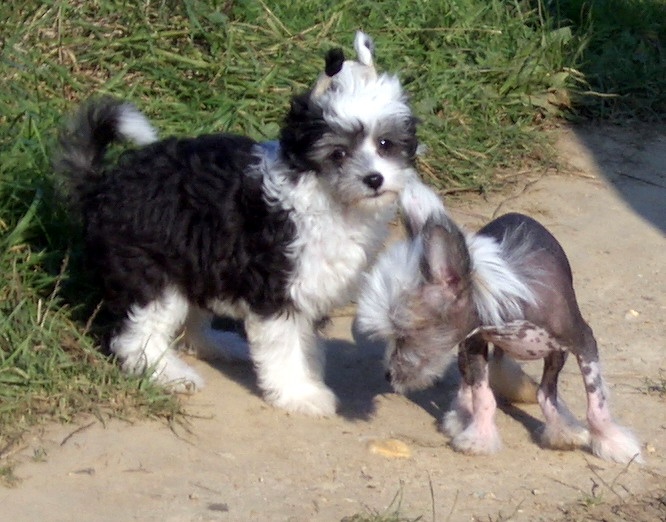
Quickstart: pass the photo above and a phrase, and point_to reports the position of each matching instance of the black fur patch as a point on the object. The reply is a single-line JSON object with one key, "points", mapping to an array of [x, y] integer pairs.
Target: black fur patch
{"points": [[303, 127], [335, 58], [183, 212], [84, 142]]}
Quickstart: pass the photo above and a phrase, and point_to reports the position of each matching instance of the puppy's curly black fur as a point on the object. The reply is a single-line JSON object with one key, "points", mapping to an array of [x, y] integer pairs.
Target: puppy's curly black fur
{"points": [[176, 212]]}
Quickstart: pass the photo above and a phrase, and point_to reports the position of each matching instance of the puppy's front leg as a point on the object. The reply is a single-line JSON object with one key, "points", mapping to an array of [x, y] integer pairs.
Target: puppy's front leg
{"points": [[289, 363], [480, 437]]}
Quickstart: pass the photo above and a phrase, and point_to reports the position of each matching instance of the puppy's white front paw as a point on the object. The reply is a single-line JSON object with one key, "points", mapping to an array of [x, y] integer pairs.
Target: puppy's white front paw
{"points": [[176, 375], [184, 382], [313, 399]]}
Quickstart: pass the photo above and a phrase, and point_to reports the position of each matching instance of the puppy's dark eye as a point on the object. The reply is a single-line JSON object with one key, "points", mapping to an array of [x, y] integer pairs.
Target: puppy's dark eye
{"points": [[385, 145], [338, 155]]}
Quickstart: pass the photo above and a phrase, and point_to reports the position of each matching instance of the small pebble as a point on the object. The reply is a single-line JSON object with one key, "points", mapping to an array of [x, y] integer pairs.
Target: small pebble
{"points": [[631, 314], [392, 448]]}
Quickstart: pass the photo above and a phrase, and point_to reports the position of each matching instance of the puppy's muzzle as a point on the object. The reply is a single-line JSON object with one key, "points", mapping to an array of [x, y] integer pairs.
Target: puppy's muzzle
{"points": [[374, 180]]}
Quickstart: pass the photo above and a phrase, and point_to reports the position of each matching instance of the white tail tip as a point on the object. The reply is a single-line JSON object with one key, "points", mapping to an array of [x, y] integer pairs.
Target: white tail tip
{"points": [[134, 126]]}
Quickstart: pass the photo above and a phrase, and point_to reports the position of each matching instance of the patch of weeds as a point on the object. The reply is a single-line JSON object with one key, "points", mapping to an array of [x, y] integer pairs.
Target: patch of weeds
{"points": [[622, 57], [592, 500], [390, 514], [374, 516], [7, 476], [39, 454]]}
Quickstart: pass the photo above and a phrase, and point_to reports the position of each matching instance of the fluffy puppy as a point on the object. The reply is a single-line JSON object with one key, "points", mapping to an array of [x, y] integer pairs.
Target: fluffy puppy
{"points": [[274, 234]]}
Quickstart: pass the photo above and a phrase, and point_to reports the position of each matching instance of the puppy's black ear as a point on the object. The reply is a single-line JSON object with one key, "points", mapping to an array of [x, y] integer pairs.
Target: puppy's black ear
{"points": [[445, 260], [334, 60]]}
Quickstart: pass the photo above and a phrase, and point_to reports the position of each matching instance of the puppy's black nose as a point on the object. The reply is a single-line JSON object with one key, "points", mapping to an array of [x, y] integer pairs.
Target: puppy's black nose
{"points": [[387, 376], [374, 180]]}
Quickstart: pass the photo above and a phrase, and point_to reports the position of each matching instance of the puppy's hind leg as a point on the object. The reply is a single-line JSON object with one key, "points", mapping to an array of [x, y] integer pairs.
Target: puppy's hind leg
{"points": [[289, 364], [144, 343]]}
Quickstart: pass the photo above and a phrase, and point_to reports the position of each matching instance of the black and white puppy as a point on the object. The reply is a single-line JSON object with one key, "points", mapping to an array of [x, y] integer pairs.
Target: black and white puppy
{"points": [[511, 285], [274, 234]]}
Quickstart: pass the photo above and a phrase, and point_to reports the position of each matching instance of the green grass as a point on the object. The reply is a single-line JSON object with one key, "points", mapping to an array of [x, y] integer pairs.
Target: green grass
{"points": [[481, 75], [624, 56]]}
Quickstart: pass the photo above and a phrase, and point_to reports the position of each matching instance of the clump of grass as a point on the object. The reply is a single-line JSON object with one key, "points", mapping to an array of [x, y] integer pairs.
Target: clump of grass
{"points": [[379, 517], [624, 55], [390, 514], [50, 367], [7, 476]]}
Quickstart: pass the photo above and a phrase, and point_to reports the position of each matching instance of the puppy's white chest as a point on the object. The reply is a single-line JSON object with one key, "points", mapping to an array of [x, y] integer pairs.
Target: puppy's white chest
{"points": [[331, 255]]}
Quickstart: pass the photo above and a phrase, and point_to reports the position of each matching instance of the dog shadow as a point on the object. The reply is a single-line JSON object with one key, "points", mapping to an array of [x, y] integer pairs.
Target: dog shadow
{"points": [[439, 398], [355, 371]]}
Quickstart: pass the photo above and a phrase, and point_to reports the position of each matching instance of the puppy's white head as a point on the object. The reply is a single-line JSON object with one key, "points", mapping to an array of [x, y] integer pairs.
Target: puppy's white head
{"points": [[355, 130]]}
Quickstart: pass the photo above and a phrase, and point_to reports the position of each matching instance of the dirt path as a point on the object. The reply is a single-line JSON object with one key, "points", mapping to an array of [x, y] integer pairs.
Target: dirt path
{"points": [[243, 461]]}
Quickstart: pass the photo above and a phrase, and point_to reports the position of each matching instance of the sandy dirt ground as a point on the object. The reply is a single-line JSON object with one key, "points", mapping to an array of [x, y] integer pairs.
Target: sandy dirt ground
{"points": [[241, 460]]}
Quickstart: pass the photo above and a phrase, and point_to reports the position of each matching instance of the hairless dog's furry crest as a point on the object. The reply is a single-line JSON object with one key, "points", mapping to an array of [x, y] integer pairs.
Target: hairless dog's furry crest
{"points": [[510, 285]]}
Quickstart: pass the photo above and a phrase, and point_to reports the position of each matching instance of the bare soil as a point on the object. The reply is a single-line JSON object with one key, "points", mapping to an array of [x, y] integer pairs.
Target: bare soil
{"points": [[238, 459]]}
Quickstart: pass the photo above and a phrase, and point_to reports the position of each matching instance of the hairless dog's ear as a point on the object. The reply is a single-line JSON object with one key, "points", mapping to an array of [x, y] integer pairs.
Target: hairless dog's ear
{"points": [[445, 260]]}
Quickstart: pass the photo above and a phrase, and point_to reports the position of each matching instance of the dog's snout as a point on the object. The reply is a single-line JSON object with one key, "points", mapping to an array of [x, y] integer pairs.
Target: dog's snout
{"points": [[387, 375], [374, 180]]}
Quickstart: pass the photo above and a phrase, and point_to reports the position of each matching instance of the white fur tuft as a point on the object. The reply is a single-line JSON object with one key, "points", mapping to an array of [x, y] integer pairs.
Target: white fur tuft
{"points": [[561, 430], [480, 436], [418, 203], [134, 126], [460, 415], [361, 98], [364, 48], [396, 274], [498, 290], [618, 444]]}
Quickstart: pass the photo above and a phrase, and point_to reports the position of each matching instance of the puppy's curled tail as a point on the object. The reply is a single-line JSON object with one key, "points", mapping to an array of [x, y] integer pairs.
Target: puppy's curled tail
{"points": [[509, 381], [84, 140]]}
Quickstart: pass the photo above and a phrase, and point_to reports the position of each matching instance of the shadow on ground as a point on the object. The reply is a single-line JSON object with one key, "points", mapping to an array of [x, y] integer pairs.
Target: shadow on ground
{"points": [[633, 159]]}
